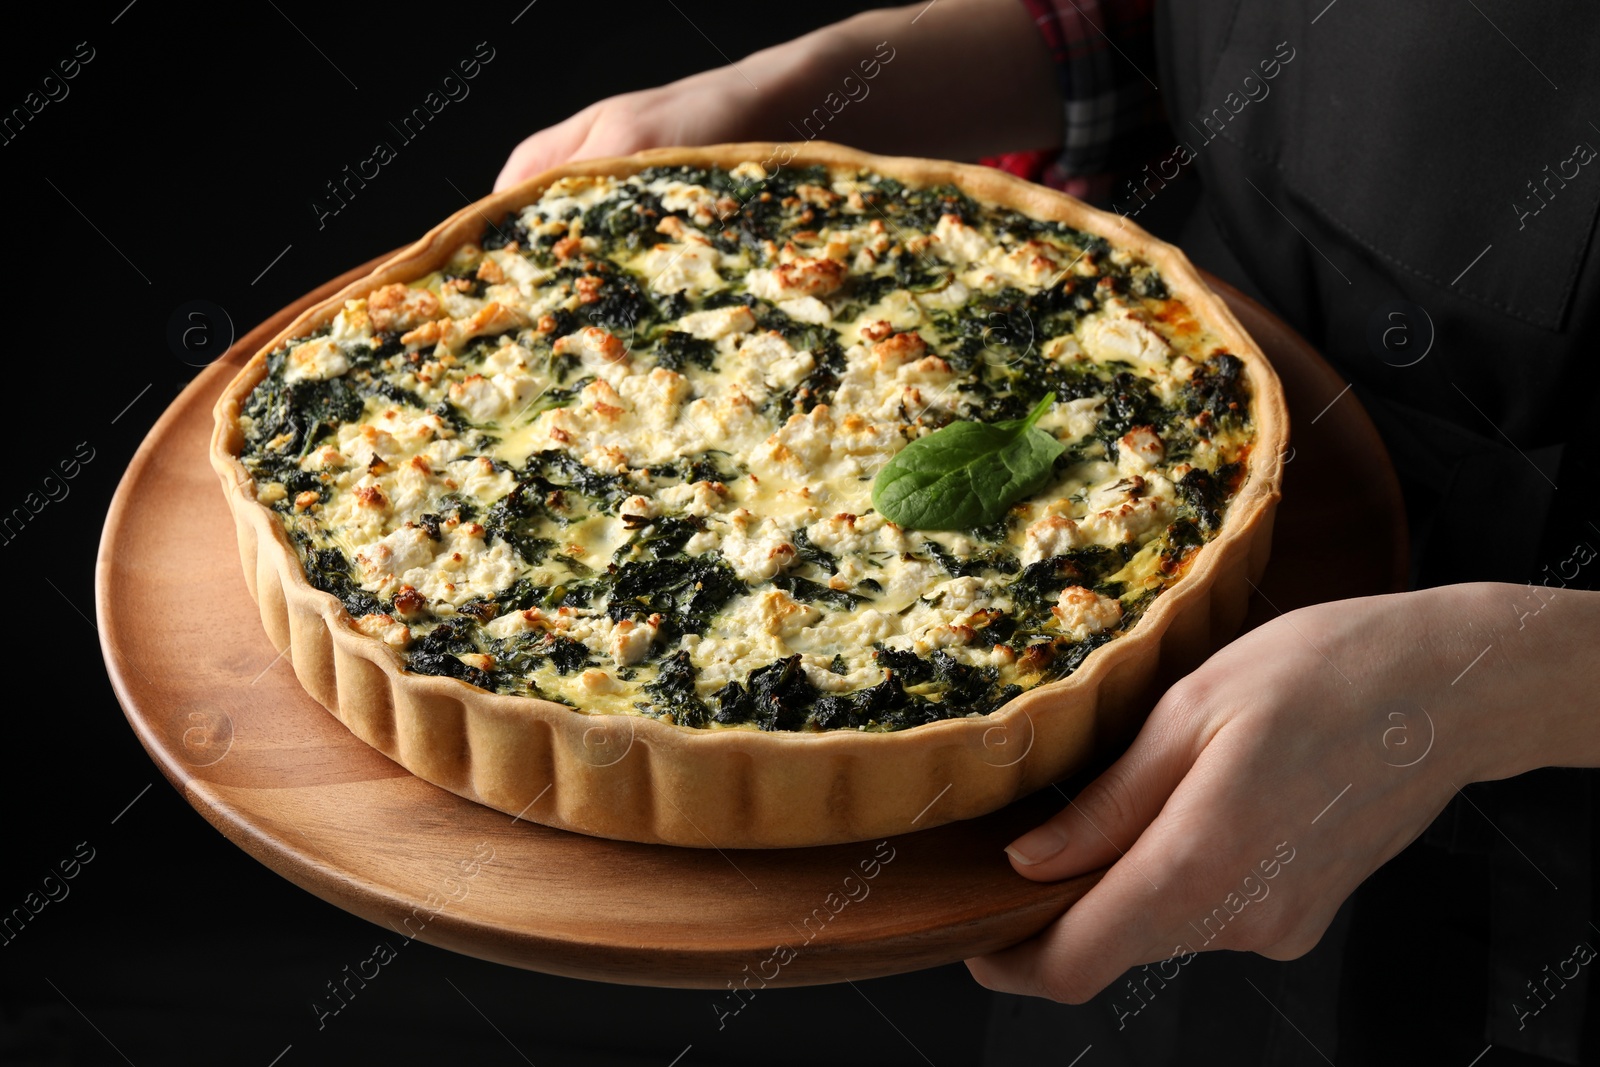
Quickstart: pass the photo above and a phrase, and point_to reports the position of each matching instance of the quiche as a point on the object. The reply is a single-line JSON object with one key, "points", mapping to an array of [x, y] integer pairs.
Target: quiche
{"points": [[592, 505]]}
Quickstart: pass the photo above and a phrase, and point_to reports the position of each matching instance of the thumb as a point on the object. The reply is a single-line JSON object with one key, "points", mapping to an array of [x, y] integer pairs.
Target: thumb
{"points": [[1107, 816], [545, 149]]}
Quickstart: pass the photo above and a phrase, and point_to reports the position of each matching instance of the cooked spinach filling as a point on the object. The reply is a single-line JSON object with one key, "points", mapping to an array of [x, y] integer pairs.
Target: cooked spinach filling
{"points": [[619, 452]]}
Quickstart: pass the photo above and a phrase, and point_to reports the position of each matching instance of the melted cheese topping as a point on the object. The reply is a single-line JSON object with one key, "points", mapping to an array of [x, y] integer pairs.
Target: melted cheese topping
{"points": [[621, 455]]}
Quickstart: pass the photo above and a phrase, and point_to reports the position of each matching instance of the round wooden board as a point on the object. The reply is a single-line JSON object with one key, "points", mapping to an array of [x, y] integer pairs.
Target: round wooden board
{"points": [[220, 711]]}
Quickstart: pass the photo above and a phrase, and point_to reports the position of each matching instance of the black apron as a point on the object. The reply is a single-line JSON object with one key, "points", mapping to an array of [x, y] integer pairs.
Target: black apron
{"points": [[1414, 188]]}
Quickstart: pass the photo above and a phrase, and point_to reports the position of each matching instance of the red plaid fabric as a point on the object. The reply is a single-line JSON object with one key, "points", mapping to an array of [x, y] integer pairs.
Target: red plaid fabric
{"points": [[1112, 120]]}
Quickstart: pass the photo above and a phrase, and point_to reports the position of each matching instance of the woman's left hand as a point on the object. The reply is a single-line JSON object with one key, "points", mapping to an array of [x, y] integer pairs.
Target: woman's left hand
{"points": [[1266, 785]]}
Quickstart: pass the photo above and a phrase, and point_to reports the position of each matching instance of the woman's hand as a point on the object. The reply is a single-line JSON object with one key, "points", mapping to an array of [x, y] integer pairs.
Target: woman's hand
{"points": [[958, 79], [704, 109], [1272, 781]]}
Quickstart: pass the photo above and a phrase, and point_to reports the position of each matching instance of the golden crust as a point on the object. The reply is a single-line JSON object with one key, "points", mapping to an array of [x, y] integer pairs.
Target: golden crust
{"points": [[637, 778]]}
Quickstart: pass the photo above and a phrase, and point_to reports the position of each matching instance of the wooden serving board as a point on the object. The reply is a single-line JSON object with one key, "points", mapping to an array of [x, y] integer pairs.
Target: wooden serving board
{"points": [[223, 716]]}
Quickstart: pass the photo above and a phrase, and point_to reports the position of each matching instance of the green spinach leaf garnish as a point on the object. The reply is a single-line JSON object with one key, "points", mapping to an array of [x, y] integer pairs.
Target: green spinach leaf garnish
{"points": [[968, 473]]}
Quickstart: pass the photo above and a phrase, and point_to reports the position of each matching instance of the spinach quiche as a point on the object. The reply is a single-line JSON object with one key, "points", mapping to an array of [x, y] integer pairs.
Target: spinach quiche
{"points": [[754, 496]]}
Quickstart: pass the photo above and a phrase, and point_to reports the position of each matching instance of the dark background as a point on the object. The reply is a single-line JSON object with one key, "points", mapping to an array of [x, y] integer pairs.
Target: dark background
{"points": [[180, 166]]}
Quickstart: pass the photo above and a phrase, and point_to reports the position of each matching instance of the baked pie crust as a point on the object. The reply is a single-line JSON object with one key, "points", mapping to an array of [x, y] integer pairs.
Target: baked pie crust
{"points": [[638, 778]]}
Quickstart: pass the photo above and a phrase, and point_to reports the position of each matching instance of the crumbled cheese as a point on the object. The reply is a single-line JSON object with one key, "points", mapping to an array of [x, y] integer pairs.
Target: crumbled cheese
{"points": [[1083, 612], [315, 361]]}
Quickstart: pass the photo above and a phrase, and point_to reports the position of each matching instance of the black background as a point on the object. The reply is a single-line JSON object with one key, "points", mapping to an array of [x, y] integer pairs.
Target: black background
{"points": [[180, 166]]}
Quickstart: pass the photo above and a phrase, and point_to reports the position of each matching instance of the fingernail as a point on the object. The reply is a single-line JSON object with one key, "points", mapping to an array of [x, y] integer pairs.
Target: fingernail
{"points": [[1036, 846]]}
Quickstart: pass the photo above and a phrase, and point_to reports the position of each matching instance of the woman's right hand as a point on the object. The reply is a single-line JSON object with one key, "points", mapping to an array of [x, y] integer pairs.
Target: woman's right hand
{"points": [[702, 109]]}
